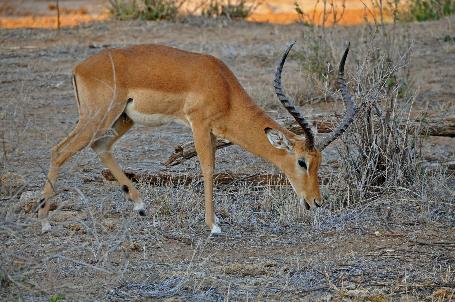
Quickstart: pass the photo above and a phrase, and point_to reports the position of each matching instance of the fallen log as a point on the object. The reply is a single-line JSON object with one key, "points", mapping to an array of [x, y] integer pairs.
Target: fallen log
{"points": [[223, 178], [435, 127], [187, 150], [228, 178]]}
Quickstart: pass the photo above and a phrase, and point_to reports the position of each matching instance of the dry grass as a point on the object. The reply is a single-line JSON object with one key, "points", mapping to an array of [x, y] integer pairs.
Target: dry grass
{"points": [[168, 253], [392, 244]]}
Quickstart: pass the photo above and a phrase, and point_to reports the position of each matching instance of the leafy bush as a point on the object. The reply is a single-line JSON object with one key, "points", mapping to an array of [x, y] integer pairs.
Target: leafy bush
{"points": [[123, 9], [422, 10], [169, 9], [57, 298], [144, 9], [231, 10]]}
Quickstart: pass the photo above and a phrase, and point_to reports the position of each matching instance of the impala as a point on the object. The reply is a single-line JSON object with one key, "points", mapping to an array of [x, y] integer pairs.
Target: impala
{"points": [[155, 84]]}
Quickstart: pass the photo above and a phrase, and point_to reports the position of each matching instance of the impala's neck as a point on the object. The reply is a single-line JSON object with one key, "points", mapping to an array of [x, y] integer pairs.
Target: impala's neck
{"points": [[245, 126]]}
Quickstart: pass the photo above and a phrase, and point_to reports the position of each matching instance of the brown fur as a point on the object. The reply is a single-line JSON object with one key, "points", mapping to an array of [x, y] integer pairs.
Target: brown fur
{"points": [[197, 88]]}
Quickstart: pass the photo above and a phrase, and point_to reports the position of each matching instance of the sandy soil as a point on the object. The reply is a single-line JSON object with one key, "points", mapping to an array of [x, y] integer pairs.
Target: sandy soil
{"points": [[389, 249]]}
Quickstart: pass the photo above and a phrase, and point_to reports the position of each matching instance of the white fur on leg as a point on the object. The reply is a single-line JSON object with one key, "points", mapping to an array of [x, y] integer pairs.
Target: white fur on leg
{"points": [[215, 229], [139, 206], [216, 219], [45, 226]]}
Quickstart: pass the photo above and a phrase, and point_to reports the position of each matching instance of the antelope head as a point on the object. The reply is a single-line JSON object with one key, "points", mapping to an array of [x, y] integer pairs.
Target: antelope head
{"points": [[304, 154]]}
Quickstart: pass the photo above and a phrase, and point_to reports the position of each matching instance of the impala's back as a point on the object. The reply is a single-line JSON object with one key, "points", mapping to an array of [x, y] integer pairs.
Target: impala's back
{"points": [[158, 79]]}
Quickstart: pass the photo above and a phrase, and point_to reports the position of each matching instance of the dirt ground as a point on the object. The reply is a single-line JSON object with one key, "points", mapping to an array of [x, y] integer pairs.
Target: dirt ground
{"points": [[389, 249]]}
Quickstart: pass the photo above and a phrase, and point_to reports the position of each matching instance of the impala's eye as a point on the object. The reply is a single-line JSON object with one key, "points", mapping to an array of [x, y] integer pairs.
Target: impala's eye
{"points": [[302, 163]]}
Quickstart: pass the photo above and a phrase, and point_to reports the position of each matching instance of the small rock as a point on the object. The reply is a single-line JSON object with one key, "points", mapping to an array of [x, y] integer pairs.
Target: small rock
{"points": [[351, 286], [29, 196], [76, 228], [28, 201], [132, 246], [109, 224]]}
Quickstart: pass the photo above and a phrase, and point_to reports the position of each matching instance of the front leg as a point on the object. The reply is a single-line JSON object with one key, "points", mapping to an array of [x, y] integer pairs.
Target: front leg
{"points": [[205, 142]]}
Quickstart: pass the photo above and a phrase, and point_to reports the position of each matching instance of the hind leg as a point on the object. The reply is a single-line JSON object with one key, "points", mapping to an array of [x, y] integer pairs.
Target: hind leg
{"points": [[79, 138], [103, 147]]}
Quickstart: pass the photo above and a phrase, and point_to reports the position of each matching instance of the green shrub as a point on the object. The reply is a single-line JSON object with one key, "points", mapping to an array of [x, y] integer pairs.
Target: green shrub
{"points": [[57, 298], [123, 9], [422, 10], [160, 10], [232, 10], [144, 9]]}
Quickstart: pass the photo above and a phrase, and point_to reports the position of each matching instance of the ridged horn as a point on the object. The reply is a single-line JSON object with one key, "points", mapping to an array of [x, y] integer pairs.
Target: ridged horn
{"points": [[288, 104], [349, 103]]}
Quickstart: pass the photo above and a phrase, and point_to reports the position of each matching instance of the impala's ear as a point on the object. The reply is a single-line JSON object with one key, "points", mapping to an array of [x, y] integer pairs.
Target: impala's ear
{"points": [[278, 139]]}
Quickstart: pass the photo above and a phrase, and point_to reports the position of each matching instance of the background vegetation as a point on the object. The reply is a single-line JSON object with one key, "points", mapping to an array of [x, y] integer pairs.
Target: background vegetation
{"points": [[423, 10], [169, 9]]}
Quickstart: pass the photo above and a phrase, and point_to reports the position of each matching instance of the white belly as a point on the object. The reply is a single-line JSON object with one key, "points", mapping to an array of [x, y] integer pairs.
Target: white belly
{"points": [[152, 120]]}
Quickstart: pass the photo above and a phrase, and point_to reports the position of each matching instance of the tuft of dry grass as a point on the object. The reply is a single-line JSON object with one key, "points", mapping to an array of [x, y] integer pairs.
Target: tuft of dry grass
{"points": [[145, 9]]}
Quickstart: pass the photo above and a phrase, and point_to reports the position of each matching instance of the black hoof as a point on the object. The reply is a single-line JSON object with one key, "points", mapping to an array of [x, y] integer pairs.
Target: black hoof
{"points": [[41, 204], [141, 212], [307, 206]]}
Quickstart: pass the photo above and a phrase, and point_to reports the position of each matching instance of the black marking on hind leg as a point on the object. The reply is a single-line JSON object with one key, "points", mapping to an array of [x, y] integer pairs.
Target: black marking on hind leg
{"points": [[130, 100], [123, 116], [141, 212], [41, 204], [125, 189]]}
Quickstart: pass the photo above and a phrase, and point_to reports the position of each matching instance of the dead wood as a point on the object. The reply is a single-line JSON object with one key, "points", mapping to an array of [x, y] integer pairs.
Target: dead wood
{"points": [[435, 127], [441, 126], [187, 150], [433, 243]]}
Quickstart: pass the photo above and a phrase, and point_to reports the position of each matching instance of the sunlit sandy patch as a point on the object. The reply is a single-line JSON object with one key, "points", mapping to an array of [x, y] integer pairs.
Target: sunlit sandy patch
{"points": [[49, 21], [348, 17]]}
